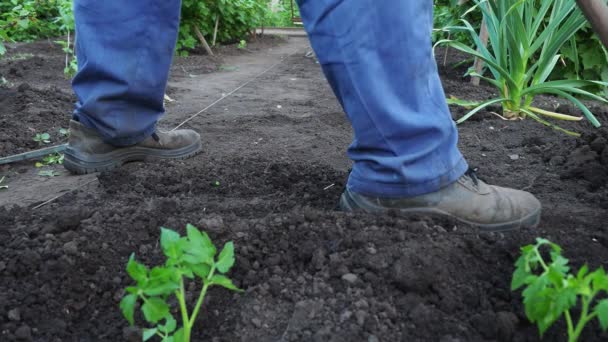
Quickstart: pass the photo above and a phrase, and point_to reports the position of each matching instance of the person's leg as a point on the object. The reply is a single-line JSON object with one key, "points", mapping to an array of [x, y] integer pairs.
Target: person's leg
{"points": [[377, 57], [124, 51]]}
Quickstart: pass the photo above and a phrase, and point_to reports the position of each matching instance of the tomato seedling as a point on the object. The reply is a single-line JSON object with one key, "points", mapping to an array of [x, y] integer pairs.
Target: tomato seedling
{"points": [[41, 138], [51, 159], [550, 290], [192, 256]]}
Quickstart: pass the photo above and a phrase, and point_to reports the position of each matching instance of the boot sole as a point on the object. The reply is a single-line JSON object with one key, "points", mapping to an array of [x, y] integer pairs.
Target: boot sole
{"points": [[81, 163], [348, 204]]}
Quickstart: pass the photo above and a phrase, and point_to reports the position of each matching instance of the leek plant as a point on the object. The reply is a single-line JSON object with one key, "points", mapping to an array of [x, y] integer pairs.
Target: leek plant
{"points": [[525, 37]]}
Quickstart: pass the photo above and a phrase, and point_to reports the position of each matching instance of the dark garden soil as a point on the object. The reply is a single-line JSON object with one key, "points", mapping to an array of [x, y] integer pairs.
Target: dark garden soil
{"points": [[310, 273]]}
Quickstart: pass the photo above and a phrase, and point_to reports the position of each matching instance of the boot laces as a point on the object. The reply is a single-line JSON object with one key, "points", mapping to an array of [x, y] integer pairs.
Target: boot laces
{"points": [[472, 174], [157, 138]]}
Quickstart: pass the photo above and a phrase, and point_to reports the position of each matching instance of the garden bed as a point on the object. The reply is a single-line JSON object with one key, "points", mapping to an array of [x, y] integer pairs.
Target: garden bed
{"points": [[310, 273]]}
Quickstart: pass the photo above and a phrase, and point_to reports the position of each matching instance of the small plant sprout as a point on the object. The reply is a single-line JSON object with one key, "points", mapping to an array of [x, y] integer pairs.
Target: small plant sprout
{"points": [[51, 159], [243, 44], [550, 290], [215, 184], [2, 186], [187, 258], [42, 138], [64, 132]]}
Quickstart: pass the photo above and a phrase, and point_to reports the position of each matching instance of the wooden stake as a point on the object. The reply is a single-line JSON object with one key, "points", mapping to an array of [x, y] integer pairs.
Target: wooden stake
{"points": [[483, 36], [217, 23], [202, 39]]}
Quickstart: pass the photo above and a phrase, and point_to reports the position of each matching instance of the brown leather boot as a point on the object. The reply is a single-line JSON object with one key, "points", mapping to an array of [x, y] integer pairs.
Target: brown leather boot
{"points": [[87, 152], [469, 200]]}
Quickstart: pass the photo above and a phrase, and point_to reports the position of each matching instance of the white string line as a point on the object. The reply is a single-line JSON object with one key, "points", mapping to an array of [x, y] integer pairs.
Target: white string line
{"points": [[234, 91], [178, 126], [63, 194]]}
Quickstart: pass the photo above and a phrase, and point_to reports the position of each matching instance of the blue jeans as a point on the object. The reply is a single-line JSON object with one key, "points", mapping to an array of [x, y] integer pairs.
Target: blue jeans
{"points": [[376, 55]]}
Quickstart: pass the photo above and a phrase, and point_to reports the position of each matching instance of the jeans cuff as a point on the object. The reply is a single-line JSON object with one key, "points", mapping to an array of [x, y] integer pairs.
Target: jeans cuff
{"points": [[396, 190]]}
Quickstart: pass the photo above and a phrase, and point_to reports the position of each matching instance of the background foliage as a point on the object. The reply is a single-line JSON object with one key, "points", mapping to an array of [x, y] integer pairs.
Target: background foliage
{"points": [[28, 20], [236, 20]]}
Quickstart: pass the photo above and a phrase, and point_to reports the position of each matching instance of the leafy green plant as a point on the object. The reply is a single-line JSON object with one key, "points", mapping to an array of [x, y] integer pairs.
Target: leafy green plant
{"points": [[49, 173], [42, 138], [189, 257], [523, 51], [551, 291], [51, 159], [242, 44]]}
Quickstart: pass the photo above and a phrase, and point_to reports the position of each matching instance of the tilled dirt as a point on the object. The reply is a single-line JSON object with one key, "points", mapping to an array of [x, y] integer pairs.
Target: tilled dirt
{"points": [[310, 273]]}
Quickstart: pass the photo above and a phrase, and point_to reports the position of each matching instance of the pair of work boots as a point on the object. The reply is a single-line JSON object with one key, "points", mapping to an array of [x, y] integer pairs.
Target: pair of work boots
{"points": [[469, 200]]}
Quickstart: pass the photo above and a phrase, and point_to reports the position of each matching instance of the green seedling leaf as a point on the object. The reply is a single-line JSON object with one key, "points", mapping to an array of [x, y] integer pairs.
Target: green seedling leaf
{"points": [[149, 333], [168, 237], [551, 291], [600, 280], [226, 258], [132, 289], [216, 184], [169, 326], [201, 270], [42, 138], [64, 132], [602, 313], [137, 271], [224, 281], [179, 335], [163, 281], [155, 309], [201, 245], [169, 242], [127, 306]]}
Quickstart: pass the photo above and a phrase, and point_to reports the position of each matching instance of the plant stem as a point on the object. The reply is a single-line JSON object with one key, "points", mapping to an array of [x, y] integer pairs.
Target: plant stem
{"points": [[569, 323], [201, 297], [541, 260], [181, 296], [583, 320]]}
